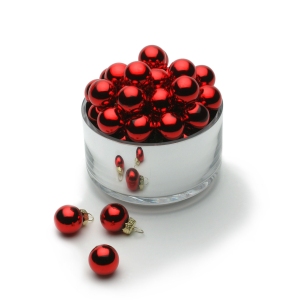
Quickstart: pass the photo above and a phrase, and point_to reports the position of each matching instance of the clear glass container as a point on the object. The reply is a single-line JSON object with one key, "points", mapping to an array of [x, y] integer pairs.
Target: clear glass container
{"points": [[175, 170]]}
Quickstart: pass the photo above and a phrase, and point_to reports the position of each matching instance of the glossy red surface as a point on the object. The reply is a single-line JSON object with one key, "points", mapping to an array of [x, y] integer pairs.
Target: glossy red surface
{"points": [[160, 78], [154, 57], [205, 75], [210, 97], [140, 154], [171, 126], [93, 113], [186, 88], [103, 259], [119, 162], [160, 100], [131, 98], [108, 121], [115, 72], [183, 67], [101, 90], [197, 115], [86, 90], [138, 128], [68, 219], [102, 74], [137, 72], [132, 179], [113, 217]]}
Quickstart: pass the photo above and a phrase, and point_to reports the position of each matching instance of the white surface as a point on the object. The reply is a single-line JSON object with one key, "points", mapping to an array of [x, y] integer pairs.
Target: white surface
{"points": [[241, 241]]}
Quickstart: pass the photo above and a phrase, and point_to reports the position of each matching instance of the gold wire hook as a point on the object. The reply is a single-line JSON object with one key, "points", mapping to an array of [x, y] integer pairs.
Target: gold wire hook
{"points": [[86, 217], [129, 227], [120, 173]]}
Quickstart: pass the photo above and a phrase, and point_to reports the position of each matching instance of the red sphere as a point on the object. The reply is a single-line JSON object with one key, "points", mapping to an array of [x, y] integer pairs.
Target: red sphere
{"points": [[154, 57], [115, 72], [104, 259], [108, 121], [113, 217], [197, 115], [186, 88], [205, 75], [160, 78], [140, 154], [210, 97], [68, 219], [138, 128], [183, 67], [86, 90], [101, 91], [160, 100], [137, 72], [119, 162], [171, 127], [93, 113], [132, 179], [131, 98]]}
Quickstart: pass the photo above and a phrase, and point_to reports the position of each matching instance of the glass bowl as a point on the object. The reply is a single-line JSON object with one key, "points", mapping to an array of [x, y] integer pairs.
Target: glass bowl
{"points": [[174, 170]]}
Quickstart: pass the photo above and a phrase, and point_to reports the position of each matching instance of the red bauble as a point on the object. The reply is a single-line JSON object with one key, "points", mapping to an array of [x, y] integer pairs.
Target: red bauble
{"points": [[113, 217], [108, 121], [160, 78], [138, 128], [86, 90], [154, 57], [205, 75], [104, 259], [119, 162], [182, 67], [139, 154], [185, 88], [197, 115], [160, 100], [138, 72], [131, 98], [102, 75], [101, 91], [132, 179], [171, 126], [115, 72], [210, 97], [68, 219], [93, 113]]}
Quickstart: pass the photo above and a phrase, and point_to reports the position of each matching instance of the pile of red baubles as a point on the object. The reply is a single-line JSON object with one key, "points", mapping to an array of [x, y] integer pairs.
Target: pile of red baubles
{"points": [[149, 101]]}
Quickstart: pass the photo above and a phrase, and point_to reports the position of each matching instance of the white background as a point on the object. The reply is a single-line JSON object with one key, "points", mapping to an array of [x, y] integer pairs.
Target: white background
{"points": [[240, 241]]}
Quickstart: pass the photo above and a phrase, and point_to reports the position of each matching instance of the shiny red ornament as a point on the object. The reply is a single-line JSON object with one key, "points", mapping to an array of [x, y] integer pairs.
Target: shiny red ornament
{"points": [[119, 162], [104, 259], [138, 72], [108, 121], [205, 75], [101, 91], [102, 75], [185, 88], [171, 126], [115, 72], [154, 57], [182, 67], [131, 98], [93, 113], [68, 219], [160, 100], [197, 115], [138, 128], [139, 156], [86, 90], [210, 97], [113, 217], [160, 78], [134, 180]]}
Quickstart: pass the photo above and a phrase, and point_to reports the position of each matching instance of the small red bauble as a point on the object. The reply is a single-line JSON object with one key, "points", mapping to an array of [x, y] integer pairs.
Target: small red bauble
{"points": [[93, 113], [104, 259], [101, 91], [113, 217], [160, 100], [131, 98], [171, 126], [160, 78], [205, 75], [154, 57], [138, 128], [134, 180], [197, 115], [183, 67], [119, 162], [86, 90], [186, 88], [139, 156], [108, 121], [69, 219], [137, 72], [115, 72], [210, 97]]}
